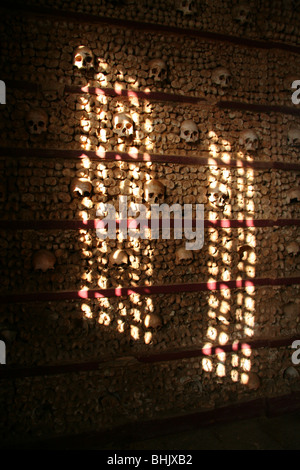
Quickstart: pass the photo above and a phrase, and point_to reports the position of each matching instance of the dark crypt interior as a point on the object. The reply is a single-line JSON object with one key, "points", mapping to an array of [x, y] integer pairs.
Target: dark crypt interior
{"points": [[135, 341]]}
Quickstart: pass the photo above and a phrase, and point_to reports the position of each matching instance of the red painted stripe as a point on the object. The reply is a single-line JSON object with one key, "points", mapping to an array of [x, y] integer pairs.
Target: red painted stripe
{"points": [[259, 108], [160, 96], [132, 223], [155, 95], [14, 371], [145, 290], [15, 152]]}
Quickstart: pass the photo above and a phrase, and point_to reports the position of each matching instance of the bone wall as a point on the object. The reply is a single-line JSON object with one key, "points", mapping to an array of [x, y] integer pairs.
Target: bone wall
{"points": [[277, 20], [111, 355]]}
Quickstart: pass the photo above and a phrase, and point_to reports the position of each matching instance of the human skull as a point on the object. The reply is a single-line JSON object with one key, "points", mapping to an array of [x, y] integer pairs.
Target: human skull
{"points": [[293, 248], [251, 380], [291, 373], [152, 321], [118, 258], [37, 121], [189, 131], [157, 70], [43, 260], [218, 195], [293, 196], [249, 141], [183, 255], [294, 137], [154, 191], [83, 58], [185, 6], [221, 76], [242, 14], [81, 187], [246, 252], [123, 125]]}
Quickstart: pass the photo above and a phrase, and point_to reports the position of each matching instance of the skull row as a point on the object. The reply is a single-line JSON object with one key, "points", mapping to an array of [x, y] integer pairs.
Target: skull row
{"points": [[83, 58], [241, 13], [123, 126]]}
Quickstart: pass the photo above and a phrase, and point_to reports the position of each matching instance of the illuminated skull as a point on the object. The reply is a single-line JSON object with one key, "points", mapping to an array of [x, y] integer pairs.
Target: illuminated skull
{"points": [[43, 260], [157, 70], [189, 131], [152, 321], [246, 252], [249, 141], [37, 121], [221, 77], [294, 137], [251, 380], [83, 58], [81, 187], [123, 125], [185, 6], [154, 192], [218, 195], [118, 258], [183, 255]]}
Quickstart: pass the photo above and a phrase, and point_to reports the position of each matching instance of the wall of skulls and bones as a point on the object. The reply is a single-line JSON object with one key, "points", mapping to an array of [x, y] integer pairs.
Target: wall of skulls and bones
{"points": [[185, 105]]}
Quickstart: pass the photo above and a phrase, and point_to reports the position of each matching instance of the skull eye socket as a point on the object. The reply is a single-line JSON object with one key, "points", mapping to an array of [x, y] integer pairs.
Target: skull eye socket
{"points": [[119, 125], [128, 125], [186, 132], [30, 123], [41, 124], [154, 70], [151, 195], [88, 59], [78, 58]]}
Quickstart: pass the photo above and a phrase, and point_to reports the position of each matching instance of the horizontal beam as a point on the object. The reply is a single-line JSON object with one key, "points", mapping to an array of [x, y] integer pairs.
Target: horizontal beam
{"points": [[14, 297], [9, 372], [100, 156], [132, 223], [151, 95], [161, 97]]}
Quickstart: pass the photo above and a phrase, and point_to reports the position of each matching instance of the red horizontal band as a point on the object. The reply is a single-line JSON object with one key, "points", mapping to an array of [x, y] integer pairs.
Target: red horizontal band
{"points": [[132, 224], [99, 156], [161, 96], [17, 372], [259, 108], [154, 95], [144, 290]]}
